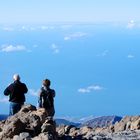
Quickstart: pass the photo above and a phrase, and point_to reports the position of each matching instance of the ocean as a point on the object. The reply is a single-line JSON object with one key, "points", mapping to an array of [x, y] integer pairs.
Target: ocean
{"points": [[94, 68]]}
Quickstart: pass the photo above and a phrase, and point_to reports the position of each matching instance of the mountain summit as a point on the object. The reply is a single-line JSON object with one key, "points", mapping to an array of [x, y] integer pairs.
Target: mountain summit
{"points": [[35, 124]]}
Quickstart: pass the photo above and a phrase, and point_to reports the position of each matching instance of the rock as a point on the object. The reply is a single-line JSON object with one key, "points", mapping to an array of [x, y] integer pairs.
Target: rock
{"points": [[49, 126], [73, 132], [2, 125], [68, 128], [42, 113], [22, 136], [128, 123], [135, 125], [64, 137], [121, 126], [26, 124], [35, 124], [84, 130], [61, 130], [27, 108], [12, 128], [45, 136]]}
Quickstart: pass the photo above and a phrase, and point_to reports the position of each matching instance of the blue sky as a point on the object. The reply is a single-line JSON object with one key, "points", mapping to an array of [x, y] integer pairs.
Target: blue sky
{"points": [[43, 11], [93, 65]]}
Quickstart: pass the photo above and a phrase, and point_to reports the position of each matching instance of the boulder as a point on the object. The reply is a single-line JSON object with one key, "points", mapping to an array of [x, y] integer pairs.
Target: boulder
{"points": [[29, 122], [22, 136]]}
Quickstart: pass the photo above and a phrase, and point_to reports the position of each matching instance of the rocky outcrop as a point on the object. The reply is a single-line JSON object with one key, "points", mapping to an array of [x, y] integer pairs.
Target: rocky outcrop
{"points": [[128, 123], [35, 124], [127, 129], [28, 123]]}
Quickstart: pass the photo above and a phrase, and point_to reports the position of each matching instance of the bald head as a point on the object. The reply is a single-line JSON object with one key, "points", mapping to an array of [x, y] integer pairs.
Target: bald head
{"points": [[16, 77]]}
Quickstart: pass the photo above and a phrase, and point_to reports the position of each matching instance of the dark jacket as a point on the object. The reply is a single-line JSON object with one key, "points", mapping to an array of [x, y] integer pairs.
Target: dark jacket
{"points": [[46, 98], [16, 92]]}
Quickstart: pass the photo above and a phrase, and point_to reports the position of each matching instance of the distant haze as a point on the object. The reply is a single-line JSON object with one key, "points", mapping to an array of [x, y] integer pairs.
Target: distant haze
{"points": [[44, 11]]}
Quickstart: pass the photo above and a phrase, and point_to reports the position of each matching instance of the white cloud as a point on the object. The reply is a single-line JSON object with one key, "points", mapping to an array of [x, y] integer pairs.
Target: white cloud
{"points": [[55, 48], [4, 100], [8, 29], [104, 53], [75, 36], [130, 56], [131, 24], [23, 28], [26, 28], [90, 89], [33, 92], [44, 27], [83, 90], [11, 48], [66, 26]]}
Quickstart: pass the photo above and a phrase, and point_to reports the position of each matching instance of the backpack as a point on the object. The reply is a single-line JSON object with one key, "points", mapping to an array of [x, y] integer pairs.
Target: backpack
{"points": [[46, 98]]}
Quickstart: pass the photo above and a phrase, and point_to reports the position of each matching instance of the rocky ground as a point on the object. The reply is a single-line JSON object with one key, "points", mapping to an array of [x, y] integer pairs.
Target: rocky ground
{"points": [[34, 124]]}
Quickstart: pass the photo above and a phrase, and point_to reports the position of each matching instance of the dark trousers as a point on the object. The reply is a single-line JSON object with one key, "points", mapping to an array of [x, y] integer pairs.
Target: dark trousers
{"points": [[15, 107]]}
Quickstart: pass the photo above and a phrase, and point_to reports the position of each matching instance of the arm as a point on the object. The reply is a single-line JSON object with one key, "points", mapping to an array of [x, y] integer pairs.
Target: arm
{"points": [[8, 90], [53, 93], [40, 99], [25, 89]]}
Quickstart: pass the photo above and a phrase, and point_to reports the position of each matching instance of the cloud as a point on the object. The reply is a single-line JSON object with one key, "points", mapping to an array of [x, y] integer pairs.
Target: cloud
{"points": [[55, 48], [90, 89], [65, 27], [11, 48], [33, 92], [75, 36], [104, 53], [8, 29], [4, 100], [26, 28], [45, 27], [130, 56], [131, 24]]}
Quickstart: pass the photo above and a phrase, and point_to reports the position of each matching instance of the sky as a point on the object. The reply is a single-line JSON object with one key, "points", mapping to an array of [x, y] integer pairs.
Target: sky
{"points": [[88, 49], [44, 11]]}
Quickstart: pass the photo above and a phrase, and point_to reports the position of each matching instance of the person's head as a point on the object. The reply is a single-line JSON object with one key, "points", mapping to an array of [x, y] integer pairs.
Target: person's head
{"points": [[46, 82], [16, 77]]}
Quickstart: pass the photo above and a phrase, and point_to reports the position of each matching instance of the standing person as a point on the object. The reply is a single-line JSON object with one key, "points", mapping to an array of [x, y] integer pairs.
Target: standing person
{"points": [[46, 97], [16, 91]]}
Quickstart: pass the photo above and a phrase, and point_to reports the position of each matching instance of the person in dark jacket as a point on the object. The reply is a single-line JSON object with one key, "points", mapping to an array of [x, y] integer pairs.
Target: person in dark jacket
{"points": [[46, 97], [16, 92]]}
